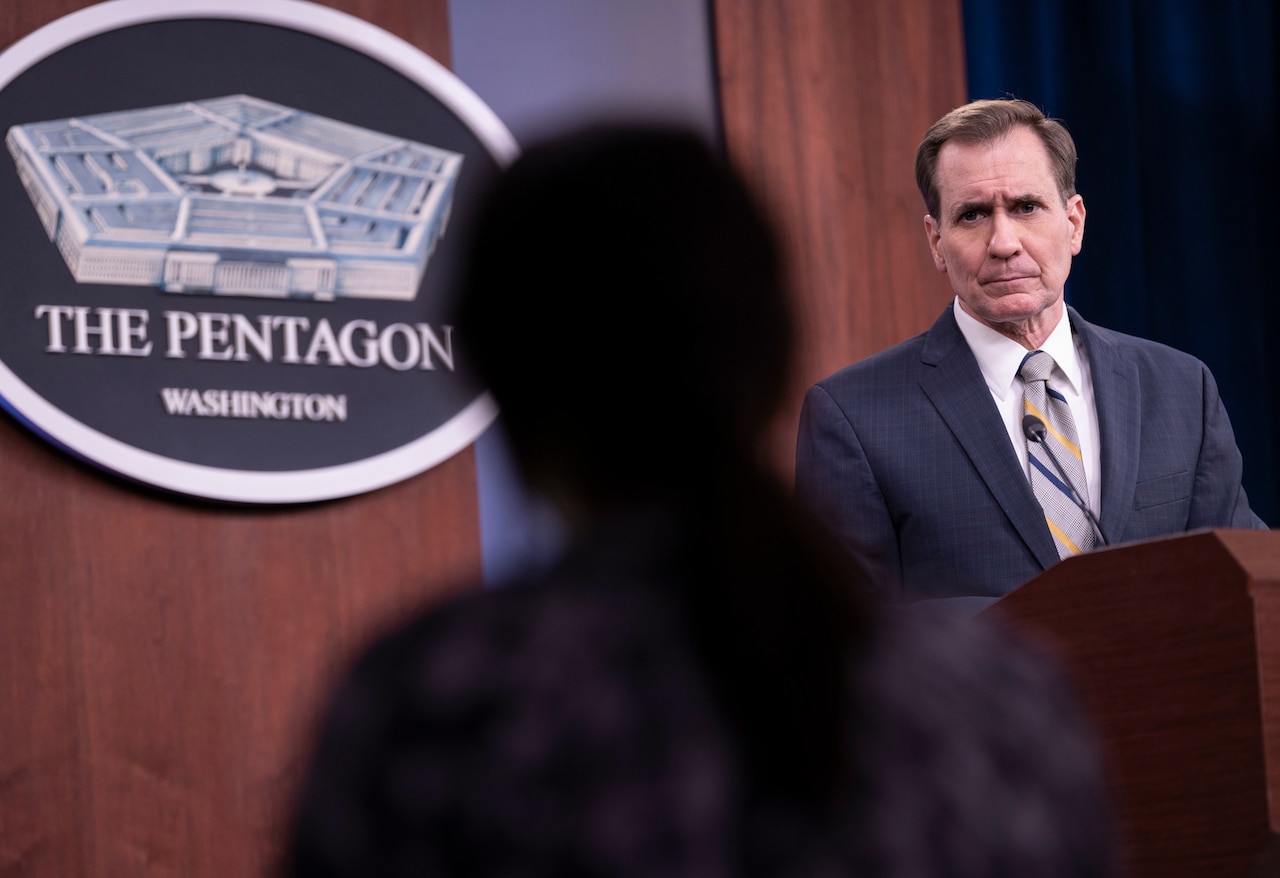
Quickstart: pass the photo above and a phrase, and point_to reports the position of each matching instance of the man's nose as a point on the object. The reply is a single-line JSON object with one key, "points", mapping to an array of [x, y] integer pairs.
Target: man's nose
{"points": [[1004, 242]]}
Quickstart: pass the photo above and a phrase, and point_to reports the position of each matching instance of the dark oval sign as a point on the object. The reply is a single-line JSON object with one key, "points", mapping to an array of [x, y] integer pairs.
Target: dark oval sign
{"points": [[230, 232]]}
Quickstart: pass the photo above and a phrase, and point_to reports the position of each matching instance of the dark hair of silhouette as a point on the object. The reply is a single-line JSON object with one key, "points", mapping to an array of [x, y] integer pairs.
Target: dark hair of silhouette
{"points": [[625, 304]]}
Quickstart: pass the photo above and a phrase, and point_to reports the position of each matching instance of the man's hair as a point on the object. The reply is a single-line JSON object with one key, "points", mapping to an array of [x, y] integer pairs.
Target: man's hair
{"points": [[986, 121]]}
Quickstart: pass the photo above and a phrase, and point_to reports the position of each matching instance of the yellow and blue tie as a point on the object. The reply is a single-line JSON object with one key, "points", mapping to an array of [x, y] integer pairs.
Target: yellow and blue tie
{"points": [[1072, 532]]}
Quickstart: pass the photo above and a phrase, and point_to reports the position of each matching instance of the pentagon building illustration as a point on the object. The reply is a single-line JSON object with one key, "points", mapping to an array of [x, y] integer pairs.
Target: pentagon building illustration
{"points": [[237, 196]]}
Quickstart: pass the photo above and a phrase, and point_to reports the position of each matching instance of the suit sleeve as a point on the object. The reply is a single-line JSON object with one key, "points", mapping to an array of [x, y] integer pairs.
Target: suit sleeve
{"points": [[1218, 497], [835, 479]]}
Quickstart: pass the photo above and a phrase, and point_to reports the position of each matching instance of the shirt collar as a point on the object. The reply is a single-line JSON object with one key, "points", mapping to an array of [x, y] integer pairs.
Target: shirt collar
{"points": [[999, 356]]}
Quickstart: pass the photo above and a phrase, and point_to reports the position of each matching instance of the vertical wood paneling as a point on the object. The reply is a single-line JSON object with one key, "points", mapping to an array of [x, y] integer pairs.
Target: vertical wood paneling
{"points": [[824, 102], [161, 659]]}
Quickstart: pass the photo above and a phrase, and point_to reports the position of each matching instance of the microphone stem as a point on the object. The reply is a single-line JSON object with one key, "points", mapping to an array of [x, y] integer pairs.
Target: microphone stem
{"points": [[1034, 430]]}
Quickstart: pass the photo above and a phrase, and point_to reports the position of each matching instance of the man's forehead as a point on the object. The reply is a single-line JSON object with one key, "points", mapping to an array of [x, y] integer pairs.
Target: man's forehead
{"points": [[1012, 165]]}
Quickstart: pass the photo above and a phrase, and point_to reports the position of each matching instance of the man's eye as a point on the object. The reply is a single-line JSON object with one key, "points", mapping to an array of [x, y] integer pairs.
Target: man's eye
{"points": [[1028, 207], [968, 216]]}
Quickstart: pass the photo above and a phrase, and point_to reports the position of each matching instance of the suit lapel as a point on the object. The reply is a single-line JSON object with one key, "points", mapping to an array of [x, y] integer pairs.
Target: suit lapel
{"points": [[954, 384], [1115, 395]]}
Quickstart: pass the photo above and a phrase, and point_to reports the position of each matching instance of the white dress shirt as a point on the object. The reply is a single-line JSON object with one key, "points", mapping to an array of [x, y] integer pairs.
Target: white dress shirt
{"points": [[999, 358]]}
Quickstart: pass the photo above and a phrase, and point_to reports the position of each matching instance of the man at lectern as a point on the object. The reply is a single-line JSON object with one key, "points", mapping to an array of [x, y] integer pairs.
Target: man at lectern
{"points": [[962, 462]]}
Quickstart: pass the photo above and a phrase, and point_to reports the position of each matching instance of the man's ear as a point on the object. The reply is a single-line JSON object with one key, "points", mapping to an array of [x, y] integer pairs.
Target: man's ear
{"points": [[1075, 216], [933, 233]]}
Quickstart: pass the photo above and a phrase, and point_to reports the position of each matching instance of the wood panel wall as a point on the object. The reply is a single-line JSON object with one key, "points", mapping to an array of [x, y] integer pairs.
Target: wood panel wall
{"points": [[823, 103], [161, 659]]}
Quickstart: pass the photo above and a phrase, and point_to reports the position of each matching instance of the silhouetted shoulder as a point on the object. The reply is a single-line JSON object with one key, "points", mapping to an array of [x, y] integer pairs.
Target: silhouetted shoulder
{"points": [[568, 718], [965, 728], [552, 727]]}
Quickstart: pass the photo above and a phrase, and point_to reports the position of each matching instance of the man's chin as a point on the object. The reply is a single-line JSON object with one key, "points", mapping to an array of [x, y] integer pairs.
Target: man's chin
{"points": [[1013, 307]]}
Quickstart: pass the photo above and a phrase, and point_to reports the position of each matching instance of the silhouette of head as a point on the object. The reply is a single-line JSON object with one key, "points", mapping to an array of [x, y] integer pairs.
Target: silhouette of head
{"points": [[624, 304]]}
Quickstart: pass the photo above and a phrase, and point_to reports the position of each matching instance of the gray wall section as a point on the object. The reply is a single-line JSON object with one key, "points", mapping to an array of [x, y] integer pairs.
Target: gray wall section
{"points": [[547, 65], [542, 65]]}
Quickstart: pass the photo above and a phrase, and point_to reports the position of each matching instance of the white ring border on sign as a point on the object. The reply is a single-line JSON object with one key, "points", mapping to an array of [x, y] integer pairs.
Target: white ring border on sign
{"points": [[244, 486]]}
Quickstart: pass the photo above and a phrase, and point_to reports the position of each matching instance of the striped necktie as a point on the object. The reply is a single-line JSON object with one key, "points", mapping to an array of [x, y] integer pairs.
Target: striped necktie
{"points": [[1072, 532]]}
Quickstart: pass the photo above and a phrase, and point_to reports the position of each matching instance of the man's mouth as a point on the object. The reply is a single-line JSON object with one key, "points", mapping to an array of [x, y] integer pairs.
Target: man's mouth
{"points": [[1006, 279]]}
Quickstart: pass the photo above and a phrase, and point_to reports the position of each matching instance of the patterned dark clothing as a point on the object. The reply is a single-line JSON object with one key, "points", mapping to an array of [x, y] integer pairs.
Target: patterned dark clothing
{"points": [[564, 727]]}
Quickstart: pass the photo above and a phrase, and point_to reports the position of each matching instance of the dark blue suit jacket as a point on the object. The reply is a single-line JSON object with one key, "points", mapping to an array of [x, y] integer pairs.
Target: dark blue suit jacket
{"points": [[905, 457]]}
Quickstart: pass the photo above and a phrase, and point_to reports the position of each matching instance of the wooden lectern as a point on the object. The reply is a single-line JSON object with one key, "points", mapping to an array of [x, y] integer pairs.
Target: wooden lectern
{"points": [[1174, 645]]}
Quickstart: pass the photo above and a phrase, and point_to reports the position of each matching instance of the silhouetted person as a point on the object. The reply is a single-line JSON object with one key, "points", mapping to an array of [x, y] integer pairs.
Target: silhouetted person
{"points": [[697, 686]]}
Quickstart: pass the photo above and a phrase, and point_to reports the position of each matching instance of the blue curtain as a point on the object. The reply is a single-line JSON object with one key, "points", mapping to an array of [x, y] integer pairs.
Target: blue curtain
{"points": [[1172, 104]]}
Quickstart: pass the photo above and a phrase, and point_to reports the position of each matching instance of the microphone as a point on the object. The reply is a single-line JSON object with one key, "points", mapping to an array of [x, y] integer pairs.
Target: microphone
{"points": [[1034, 429]]}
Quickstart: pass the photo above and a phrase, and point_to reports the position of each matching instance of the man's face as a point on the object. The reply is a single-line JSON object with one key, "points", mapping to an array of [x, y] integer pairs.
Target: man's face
{"points": [[1004, 237]]}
